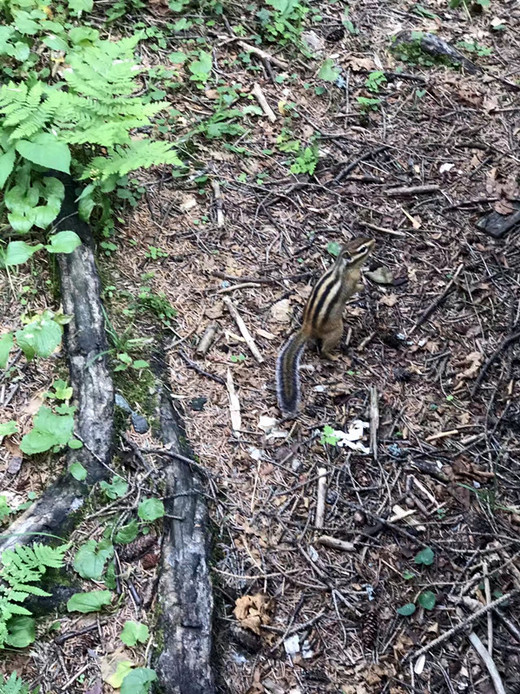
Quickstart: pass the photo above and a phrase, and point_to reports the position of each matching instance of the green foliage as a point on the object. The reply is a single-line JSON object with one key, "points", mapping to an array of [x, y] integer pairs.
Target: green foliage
{"points": [[50, 431], [375, 81], [15, 685], [306, 160], [427, 600], [201, 68], [328, 436], [425, 557], [91, 558], [39, 337], [138, 681], [328, 71], [413, 53], [78, 471], [116, 489], [127, 533], [474, 47], [8, 428], [283, 23], [150, 509], [237, 358], [22, 567], [367, 103], [333, 247], [133, 632], [406, 610], [89, 602]]}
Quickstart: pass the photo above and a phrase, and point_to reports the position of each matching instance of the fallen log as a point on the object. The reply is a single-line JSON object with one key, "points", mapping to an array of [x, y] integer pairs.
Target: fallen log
{"points": [[183, 663], [86, 347]]}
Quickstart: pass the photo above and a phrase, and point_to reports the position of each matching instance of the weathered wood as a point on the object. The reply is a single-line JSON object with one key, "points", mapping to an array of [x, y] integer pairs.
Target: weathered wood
{"points": [[86, 347], [184, 589]]}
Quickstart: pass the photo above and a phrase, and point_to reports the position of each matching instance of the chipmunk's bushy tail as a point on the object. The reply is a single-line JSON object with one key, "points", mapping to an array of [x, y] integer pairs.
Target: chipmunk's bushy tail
{"points": [[288, 374]]}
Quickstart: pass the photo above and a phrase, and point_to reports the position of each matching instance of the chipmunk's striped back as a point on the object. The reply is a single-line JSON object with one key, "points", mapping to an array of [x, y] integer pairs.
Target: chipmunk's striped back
{"points": [[322, 320]]}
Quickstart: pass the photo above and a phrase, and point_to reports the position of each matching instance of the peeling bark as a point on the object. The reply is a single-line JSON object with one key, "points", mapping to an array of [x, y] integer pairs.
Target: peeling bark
{"points": [[86, 346], [184, 588]]}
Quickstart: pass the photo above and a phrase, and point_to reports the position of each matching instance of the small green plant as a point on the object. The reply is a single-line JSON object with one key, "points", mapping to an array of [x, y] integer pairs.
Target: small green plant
{"points": [[328, 437], [425, 557], [333, 247], [368, 103], [155, 253], [22, 567], [150, 509], [474, 47], [91, 558], [375, 81], [134, 632], [237, 358], [52, 430], [283, 23], [155, 303], [15, 685], [306, 161], [201, 68], [115, 489], [329, 71]]}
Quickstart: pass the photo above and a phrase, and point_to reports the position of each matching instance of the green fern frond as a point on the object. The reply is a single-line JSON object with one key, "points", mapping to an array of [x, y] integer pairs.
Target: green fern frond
{"points": [[14, 685], [139, 154]]}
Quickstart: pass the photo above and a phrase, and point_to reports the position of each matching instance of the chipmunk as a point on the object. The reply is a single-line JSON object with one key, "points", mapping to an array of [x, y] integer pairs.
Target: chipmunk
{"points": [[322, 320]]}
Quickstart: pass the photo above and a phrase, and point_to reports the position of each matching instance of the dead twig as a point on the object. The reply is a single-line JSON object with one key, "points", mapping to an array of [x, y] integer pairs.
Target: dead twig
{"points": [[509, 340], [243, 330], [374, 420], [437, 302], [322, 494], [488, 662], [413, 190], [217, 192], [234, 405], [364, 157], [263, 54], [207, 339], [196, 367], [462, 625], [334, 543], [260, 97]]}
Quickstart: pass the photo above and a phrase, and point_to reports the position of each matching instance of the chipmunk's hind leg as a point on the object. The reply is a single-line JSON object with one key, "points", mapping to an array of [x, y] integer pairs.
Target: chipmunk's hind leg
{"points": [[329, 341]]}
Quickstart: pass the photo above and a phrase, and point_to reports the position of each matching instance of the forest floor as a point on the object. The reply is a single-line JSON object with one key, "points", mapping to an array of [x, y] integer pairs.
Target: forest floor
{"points": [[427, 503]]}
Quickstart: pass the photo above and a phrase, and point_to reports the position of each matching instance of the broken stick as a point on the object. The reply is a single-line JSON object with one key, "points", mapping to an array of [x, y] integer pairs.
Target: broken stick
{"points": [[244, 331]]}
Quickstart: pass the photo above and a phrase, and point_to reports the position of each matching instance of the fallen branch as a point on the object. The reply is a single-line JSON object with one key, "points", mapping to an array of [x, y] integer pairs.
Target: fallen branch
{"points": [[244, 331], [462, 625], [196, 367], [86, 346], [263, 54], [437, 302], [185, 598], [364, 157], [412, 190], [488, 662], [217, 192], [501, 348], [322, 494], [260, 97]]}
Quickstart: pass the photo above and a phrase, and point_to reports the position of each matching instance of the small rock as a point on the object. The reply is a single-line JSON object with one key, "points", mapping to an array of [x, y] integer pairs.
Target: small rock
{"points": [[314, 42], [197, 404], [381, 275], [139, 423], [120, 401]]}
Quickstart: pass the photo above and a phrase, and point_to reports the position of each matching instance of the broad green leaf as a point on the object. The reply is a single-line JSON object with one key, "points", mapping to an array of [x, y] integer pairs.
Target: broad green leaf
{"points": [[91, 558], [116, 679], [39, 338], [6, 344], [116, 489], [334, 248], [328, 71], [63, 242], [6, 165], [134, 632], [427, 600], [62, 389], [425, 556], [80, 5], [46, 150], [18, 252], [89, 602], [201, 68], [55, 43], [83, 35], [21, 51], [21, 631], [24, 23], [127, 533], [150, 509], [406, 610], [178, 57], [138, 681], [49, 430], [140, 364], [8, 428], [78, 471], [75, 444]]}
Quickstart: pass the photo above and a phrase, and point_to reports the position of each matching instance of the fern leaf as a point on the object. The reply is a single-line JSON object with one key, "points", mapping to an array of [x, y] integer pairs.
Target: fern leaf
{"points": [[14, 685], [138, 154]]}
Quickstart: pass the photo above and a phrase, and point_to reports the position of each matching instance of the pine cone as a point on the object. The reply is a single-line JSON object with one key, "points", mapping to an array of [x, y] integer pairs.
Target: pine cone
{"points": [[369, 630]]}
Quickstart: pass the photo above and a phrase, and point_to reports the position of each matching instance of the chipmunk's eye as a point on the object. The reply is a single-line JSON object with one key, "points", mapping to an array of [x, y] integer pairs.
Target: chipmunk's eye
{"points": [[363, 249]]}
